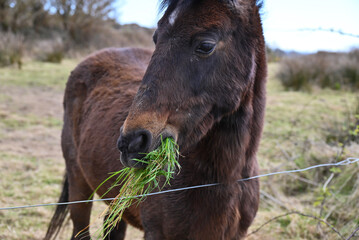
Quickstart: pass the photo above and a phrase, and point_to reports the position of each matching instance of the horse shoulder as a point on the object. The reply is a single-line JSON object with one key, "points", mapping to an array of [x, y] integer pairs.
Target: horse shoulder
{"points": [[106, 69]]}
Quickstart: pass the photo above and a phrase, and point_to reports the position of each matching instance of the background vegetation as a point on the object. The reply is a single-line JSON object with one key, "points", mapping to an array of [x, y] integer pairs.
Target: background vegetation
{"points": [[312, 117], [49, 30], [323, 70]]}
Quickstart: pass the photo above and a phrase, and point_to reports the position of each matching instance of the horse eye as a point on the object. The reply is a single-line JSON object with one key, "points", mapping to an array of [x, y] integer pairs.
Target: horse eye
{"points": [[205, 48]]}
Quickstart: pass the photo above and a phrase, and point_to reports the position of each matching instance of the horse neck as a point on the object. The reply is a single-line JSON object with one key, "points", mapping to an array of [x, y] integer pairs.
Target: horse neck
{"points": [[228, 152], [222, 156]]}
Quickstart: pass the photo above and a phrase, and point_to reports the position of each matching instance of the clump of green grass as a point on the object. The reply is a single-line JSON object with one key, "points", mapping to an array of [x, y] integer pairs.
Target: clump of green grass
{"points": [[136, 183]]}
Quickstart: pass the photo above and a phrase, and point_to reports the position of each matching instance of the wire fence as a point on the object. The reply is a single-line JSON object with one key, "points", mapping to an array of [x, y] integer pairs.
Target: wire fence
{"points": [[320, 29], [332, 30], [345, 162]]}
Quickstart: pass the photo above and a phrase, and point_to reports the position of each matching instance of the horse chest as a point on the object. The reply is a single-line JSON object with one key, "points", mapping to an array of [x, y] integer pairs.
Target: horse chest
{"points": [[198, 214]]}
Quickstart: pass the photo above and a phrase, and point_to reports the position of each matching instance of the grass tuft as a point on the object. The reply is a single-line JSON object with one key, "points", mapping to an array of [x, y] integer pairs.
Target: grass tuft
{"points": [[138, 182]]}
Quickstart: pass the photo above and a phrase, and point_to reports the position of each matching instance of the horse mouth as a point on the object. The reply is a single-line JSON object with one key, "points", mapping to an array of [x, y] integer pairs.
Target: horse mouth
{"points": [[138, 159]]}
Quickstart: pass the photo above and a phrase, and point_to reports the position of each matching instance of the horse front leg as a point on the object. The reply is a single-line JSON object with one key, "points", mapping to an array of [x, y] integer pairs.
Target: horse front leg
{"points": [[79, 213], [118, 232], [154, 235]]}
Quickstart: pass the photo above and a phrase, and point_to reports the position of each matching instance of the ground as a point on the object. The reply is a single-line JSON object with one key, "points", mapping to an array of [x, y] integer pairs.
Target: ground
{"points": [[32, 166]]}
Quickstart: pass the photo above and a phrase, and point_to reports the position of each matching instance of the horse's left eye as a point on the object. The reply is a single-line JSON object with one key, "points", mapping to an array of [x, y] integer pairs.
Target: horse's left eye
{"points": [[205, 48]]}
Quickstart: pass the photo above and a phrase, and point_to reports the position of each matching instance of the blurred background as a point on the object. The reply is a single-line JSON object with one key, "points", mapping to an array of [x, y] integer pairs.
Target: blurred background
{"points": [[312, 108]]}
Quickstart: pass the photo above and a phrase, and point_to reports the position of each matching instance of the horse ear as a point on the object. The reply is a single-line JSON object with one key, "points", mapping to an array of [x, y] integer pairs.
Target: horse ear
{"points": [[243, 7], [239, 3]]}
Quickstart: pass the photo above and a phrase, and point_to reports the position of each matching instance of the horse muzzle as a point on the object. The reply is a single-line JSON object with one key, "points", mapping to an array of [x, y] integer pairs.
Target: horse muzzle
{"points": [[133, 147], [136, 144]]}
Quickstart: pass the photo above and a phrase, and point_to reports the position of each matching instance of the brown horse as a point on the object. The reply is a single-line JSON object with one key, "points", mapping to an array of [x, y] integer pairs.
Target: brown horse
{"points": [[203, 86]]}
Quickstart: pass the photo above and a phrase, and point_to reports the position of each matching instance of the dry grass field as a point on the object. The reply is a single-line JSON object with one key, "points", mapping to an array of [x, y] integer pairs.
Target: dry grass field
{"points": [[298, 131]]}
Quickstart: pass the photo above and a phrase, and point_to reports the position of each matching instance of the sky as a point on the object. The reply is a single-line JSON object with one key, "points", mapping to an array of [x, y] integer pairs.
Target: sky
{"points": [[283, 22]]}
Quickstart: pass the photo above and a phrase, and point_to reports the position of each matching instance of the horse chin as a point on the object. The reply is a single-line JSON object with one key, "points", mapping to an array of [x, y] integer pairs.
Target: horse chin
{"points": [[130, 160], [133, 163]]}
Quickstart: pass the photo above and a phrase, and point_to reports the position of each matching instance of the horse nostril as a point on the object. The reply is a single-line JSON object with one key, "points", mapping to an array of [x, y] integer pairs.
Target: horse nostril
{"points": [[135, 142], [134, 145], [121, 145]]}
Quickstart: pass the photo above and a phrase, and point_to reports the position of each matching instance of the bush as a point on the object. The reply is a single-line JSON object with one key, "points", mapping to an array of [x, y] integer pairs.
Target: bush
{"points": [[324, 70], [107, 35], [54, 57], [51, 50], [11, 49], [344, 131]]}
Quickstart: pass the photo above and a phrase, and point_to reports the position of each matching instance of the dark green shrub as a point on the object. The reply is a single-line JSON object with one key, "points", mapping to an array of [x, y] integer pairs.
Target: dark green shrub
{"points": [[54, 57]]}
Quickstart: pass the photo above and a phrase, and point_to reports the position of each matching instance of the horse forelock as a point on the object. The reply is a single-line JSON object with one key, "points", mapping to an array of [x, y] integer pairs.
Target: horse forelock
{"points": [[172, 8], [165, 4], [241, 8], [170, 4]]}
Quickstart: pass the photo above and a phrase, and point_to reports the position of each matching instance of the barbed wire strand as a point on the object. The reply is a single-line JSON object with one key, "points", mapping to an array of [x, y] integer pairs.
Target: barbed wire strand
{"points": [[341, 163], [320, 29], [332, 30]]}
